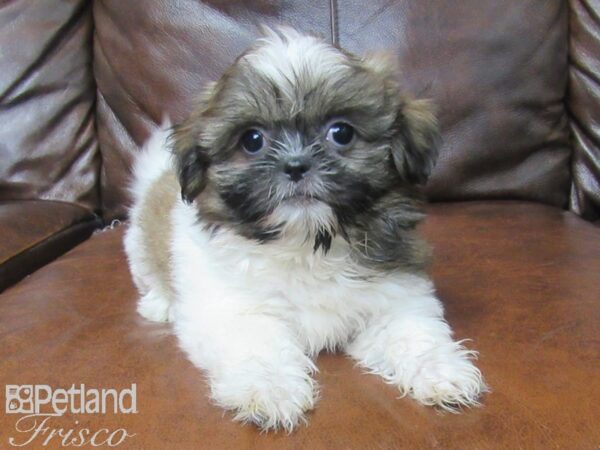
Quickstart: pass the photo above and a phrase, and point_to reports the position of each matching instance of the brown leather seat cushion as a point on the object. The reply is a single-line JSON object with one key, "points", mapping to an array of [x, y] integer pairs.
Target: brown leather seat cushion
{"points": [[520, 279], [34, 232]]}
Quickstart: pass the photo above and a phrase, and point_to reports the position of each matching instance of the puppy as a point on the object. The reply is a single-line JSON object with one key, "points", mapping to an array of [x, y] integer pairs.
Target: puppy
{"points": [[278, 221]]}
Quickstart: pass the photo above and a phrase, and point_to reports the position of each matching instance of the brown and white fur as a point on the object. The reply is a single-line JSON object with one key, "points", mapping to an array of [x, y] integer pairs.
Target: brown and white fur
{"points": [[278, 221]]}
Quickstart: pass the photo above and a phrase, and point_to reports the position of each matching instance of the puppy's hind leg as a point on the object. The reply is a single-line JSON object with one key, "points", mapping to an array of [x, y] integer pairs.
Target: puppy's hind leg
{"points": [[155, 307], [155, 294]]}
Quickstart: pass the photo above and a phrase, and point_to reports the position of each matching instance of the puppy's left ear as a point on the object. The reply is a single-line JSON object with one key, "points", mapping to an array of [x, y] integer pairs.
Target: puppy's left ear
{"points": [[416, 136], [415, 145]]}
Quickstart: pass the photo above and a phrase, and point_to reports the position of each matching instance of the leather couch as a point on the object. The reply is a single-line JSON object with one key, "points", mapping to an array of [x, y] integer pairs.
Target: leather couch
{"points": [[515, 204]]}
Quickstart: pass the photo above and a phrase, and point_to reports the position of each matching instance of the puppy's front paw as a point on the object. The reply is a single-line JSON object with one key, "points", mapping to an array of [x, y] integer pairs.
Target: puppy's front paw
{"points": [[271, 399], [445, 377]]}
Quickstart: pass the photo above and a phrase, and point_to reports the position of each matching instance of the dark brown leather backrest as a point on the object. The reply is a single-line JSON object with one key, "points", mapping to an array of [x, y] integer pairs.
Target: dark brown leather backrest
{"points": [[48, 147], [584, 104], [497, 71], [152, 61]]}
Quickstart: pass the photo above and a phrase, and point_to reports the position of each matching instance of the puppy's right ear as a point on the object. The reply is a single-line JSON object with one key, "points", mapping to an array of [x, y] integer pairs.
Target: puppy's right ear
{"points": [[192, 164], [193, 161]]}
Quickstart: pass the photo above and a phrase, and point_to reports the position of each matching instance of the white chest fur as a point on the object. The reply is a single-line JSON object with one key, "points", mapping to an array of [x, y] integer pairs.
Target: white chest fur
{"points": [[325, 298]]}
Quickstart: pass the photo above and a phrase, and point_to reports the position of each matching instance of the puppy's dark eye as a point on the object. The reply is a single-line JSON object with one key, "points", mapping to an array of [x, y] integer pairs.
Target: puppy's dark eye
{"points": [[340, 134], [252, 140]]}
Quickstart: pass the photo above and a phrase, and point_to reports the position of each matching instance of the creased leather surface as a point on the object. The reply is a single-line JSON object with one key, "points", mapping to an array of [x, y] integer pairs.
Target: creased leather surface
{"points": [[153, 61], [520, 279], [498, 74], [584, 104], [35, 232], [497, 71], [48, 148]]}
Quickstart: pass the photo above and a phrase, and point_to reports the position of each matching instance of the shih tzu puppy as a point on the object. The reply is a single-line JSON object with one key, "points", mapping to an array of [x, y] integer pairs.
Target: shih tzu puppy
{"points": [[278, 221]]}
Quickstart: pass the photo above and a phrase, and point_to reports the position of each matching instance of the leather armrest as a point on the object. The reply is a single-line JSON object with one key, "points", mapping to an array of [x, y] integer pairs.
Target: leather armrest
{"points": [[34, 232]]}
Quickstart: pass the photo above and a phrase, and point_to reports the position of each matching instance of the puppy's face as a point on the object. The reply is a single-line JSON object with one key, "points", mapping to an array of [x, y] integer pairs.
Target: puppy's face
{"points": [[298, 133]]}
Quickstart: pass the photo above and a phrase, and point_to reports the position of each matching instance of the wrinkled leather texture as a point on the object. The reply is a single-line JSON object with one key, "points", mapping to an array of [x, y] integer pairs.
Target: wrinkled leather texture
{"points": [[519, 279], [35, 232], [584, 105], [152, 61], [48, 148], [497, 72]]}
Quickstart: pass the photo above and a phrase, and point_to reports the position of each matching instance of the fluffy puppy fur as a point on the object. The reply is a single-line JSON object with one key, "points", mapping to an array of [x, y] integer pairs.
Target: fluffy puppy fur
{"points": [[278, 221]]}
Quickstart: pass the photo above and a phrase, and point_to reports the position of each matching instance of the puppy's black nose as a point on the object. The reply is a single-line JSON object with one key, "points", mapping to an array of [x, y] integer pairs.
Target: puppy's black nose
{"points": [[296, 168]]}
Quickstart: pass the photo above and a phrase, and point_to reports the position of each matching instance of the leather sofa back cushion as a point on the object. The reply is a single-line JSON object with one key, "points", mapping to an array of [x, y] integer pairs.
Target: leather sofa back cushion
{"points": [[48, 147], [584, 104], [497, 71]]}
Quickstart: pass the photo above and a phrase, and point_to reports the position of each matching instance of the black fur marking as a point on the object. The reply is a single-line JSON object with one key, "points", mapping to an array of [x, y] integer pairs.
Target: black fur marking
{"points": [[238, 199], [264, 234], [248, 207], [323, 240], [191, 169], [354, 197]]}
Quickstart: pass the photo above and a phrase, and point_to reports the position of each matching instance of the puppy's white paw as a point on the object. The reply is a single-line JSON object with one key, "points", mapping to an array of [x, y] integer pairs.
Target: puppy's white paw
{"points": [[270, 399], [445, 377], [154, 307]]}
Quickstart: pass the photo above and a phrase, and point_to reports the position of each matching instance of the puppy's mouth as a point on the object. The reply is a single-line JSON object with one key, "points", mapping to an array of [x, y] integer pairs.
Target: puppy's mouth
{"points": [[304, 190], [301, 196], [302, 200]]}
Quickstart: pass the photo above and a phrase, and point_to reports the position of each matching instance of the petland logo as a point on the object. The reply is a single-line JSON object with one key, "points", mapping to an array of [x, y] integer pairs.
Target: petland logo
{"points": [[40, 403]]}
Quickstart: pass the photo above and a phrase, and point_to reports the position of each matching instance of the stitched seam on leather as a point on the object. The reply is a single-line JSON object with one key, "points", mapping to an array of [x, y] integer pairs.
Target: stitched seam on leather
{"points": [[333, 16]]}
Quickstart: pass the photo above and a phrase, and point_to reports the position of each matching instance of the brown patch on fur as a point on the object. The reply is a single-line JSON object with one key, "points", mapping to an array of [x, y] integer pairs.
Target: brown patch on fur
{"points": [[156, 227]]}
